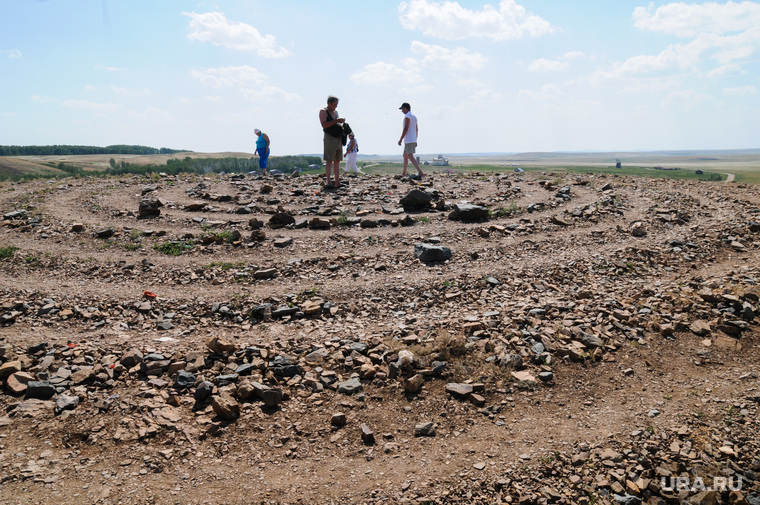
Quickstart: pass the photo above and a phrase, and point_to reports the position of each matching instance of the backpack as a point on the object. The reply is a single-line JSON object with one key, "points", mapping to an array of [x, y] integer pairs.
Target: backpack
{"points": [[346, 132]]}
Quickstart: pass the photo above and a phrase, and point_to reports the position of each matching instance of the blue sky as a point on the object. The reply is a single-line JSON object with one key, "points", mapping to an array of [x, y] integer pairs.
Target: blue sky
{"points": [[508, 76]]}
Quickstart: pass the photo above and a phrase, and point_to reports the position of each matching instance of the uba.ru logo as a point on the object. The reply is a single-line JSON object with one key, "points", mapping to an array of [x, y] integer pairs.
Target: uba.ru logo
{"points": [[696, 485]]}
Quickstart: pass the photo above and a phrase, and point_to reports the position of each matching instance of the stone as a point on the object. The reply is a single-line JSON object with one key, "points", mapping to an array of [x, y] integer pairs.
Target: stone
{"points": [[590, 340], [468, 212], [459, 390], [203, 391], [523, 376], [427, 253], [700, 328], [16, 382], [368, 437], [8, 368], [416, 199], [413, 384], [281, 220], [338, 419], [225, 407], [66, 402], [319, 224], [131, 358], [220, 345], [149, 207], [184, 380], [424, 429], [41, 390], [350, 387], [511, 361], [706, 498]]}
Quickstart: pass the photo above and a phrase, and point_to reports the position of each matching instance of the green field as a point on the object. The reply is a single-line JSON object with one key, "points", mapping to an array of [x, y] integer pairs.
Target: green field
{"points": [[743, 166]]}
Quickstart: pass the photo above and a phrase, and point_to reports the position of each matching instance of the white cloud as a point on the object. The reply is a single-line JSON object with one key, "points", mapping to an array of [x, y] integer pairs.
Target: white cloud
{"points": [[686, 97], [41, 99], [385, 73], [10, 53], [86, 105], [271, 93], [725, 33], [152, 113], [544, 65], [740, 90], [237, 76], [561, 63], [449, 20], [100, 66], [246, 79], [692, 20], [441, 58], [732, 69], [214, 27], [547, 92], [119, 90]]}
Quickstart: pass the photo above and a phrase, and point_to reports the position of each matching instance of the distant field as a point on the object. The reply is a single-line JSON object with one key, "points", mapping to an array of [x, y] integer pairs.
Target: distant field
{"points": [[18, 167], [743, 164]]}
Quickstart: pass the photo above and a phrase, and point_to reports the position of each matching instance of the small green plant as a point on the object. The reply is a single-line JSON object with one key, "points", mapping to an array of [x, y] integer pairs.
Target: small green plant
{"points": [[423, 219], [135, 234], [511, 210], [174, 248], [33, 261], [220, 236], [7, 252], [132, 247], [225, 265], [306, 294], [343, 219], [526, 386]]}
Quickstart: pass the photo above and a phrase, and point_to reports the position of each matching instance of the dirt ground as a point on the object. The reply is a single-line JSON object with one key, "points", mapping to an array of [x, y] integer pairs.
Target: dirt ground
{"points": [[589, 340]]}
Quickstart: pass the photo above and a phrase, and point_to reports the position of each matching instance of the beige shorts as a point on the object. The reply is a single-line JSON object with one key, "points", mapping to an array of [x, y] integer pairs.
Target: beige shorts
{"points": [[410, 147], [333, 148]]}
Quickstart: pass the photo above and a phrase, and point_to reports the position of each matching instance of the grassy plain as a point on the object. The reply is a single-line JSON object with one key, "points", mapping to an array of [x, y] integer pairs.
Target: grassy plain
{"points": [[744, 165]]}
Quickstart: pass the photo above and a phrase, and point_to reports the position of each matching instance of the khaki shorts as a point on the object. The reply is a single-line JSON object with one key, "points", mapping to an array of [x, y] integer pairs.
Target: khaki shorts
{"points": [[333, 148], [410, 147]]}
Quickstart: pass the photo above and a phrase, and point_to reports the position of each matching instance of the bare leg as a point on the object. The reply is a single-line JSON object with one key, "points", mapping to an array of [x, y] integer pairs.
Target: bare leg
{"points": [[416, 165], [327, 172], [406, 164], [336, 173]]}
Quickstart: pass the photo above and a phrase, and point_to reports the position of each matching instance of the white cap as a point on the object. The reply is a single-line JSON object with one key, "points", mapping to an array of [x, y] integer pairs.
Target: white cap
{"points": [[256, 131]]}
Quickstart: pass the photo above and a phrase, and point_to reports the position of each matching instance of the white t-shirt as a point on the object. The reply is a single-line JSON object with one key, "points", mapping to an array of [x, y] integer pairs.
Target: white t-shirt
{"points": [[411, 133]]}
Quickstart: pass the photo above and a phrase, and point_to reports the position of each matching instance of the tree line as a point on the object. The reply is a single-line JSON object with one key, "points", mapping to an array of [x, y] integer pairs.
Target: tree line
{"points": [[63, 150], [285, 164]]}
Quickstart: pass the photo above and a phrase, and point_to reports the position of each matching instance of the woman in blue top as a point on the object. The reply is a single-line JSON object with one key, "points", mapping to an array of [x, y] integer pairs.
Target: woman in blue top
{"points": [[262, 149]]}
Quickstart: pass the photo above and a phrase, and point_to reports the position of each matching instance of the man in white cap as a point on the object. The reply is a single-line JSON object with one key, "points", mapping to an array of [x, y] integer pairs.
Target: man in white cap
{"points": [[409, 138], [262, 149]]}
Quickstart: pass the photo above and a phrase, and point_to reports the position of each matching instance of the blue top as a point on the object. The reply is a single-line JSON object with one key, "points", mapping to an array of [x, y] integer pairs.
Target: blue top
{"points": [[356, 147], [261, 142]]}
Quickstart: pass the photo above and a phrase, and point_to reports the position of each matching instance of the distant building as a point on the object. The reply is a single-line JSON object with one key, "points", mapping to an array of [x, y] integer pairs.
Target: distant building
{"points": [[440, 161]]}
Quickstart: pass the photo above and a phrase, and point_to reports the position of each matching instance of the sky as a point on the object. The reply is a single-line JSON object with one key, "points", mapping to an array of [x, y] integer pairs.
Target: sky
{"points": [[493, 76]]}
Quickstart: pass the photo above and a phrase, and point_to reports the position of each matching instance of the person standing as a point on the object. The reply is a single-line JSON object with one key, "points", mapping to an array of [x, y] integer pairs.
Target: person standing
{"points": [[352, 151], [409, 138], [333, 136], [262, 149]]}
